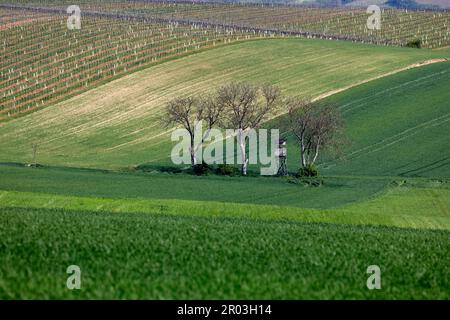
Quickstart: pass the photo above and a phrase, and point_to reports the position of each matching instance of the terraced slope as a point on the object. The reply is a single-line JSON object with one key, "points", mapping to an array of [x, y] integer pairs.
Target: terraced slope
{"points": [[116, 125]]}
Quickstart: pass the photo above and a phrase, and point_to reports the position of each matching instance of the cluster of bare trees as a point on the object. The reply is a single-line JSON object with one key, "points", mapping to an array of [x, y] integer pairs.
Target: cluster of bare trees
{"points": [[240, 106], [244, 107]]}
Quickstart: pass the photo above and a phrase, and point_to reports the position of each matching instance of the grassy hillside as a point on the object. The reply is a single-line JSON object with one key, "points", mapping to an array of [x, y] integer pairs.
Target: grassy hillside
{"points": [[116, 125], [165, 257], [398, 125], [133, 237]]}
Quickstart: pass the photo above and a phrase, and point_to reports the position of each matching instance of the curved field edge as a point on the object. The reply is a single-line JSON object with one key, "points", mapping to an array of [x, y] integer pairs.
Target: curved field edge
{"points": [[144, 256], [419, 208], [116, 125], [412, 66]]}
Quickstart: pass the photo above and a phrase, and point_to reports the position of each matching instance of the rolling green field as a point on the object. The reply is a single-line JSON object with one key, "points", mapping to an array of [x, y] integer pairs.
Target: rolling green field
{"points": [[415, 203], [397, 126], [185, 187], [156, 235]]}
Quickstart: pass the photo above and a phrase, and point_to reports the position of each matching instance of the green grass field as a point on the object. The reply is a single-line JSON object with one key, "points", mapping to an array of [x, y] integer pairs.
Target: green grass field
{"points": [[186, 187], [417, 203], [399, 125], [395, 126], [147, 236], [157, 235]]}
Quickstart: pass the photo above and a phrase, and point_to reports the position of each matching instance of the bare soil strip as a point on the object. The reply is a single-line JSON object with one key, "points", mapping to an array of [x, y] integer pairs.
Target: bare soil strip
{"points": [[412, 66]]}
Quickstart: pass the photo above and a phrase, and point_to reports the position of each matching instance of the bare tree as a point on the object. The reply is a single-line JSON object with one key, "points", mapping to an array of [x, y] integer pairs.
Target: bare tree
{"points": [[187, 113], [315, 128], [246, 107], [211, 111], [183, 112]]}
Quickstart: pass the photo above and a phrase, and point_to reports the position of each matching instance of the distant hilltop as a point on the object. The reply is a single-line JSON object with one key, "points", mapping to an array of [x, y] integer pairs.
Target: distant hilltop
{"points": [[409, 4], [406, 4]]}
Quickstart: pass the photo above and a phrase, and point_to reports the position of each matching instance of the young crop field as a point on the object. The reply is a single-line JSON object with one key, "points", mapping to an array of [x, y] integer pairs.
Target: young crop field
{"points": [[388, 118], [413, 203], [142, 256]]}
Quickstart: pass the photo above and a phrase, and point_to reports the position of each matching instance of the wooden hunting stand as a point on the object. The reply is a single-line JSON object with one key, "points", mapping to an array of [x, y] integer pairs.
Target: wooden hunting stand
{"points": [[281, 153]]}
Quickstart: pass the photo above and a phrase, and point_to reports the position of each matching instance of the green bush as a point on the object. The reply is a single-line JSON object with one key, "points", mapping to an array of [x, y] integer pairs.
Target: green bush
{"points": [[157, 168], [226, 170], [308, 171], [201, 169]]}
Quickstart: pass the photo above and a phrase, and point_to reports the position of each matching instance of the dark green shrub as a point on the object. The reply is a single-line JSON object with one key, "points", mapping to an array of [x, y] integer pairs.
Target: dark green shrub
{"points": [[226, 170], [312, 182], [201, 169], [308, 171], [35, 165], [157, 168]]}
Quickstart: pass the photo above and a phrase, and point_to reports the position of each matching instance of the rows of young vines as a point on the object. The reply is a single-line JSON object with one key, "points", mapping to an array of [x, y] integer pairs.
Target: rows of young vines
{"points": [[398, 27]]}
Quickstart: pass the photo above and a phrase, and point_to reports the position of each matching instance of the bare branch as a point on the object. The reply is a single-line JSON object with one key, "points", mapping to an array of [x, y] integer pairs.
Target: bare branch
{"points": [[315, 127]]}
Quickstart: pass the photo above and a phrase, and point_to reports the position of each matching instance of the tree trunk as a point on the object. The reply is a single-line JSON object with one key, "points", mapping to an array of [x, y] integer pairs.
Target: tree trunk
{"points": [[193, 159], [193, 151], [241, 141], [317, 152], [303, 152], [199, 146]]}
